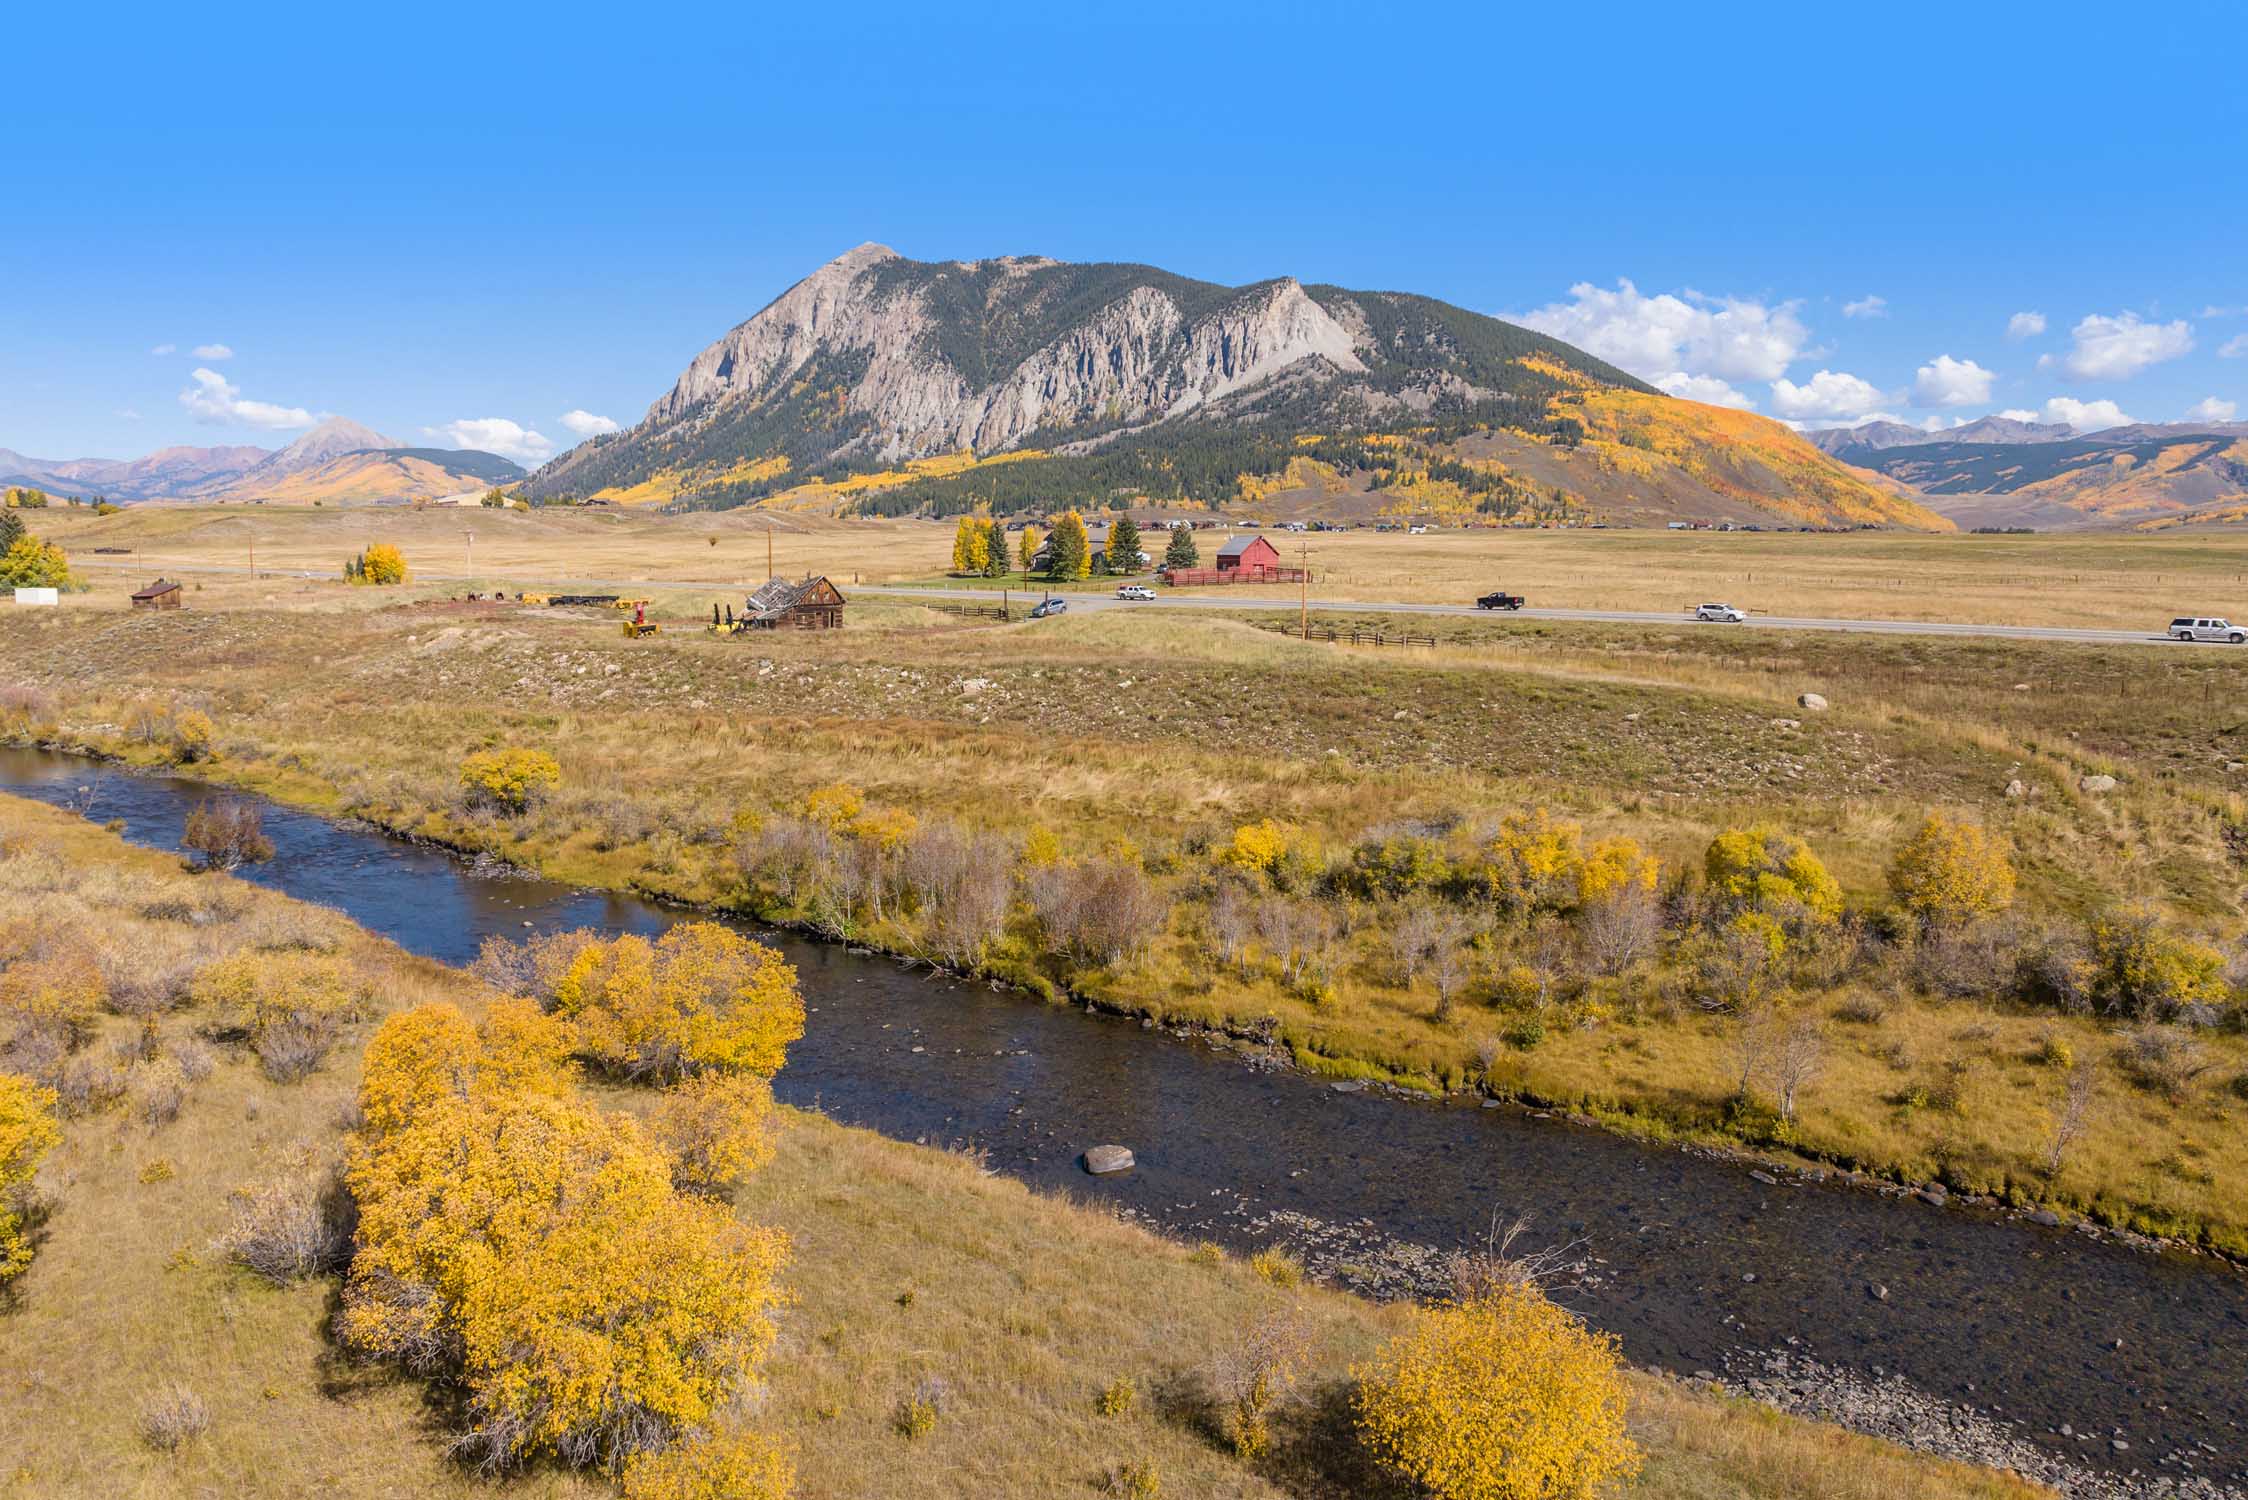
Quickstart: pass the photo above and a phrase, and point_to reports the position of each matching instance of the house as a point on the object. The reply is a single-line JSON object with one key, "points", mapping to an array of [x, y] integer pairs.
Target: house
{"points": [[1253, 553], [805, 604], [162, 594]]}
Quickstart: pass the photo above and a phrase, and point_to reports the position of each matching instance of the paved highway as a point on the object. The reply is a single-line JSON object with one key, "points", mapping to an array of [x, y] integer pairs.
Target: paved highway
{"points": [[1087, 601]]}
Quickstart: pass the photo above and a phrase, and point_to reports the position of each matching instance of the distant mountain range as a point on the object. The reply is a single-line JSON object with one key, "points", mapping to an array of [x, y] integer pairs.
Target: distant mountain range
{"points": [[2001, 472], [1879, 435], [337, 461], [881, 384]]}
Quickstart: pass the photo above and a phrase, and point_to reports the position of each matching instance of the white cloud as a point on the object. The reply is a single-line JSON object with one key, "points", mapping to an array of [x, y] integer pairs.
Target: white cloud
{"points": [[2118, 348], [1945, 381], [212, 398], [2085, 416], [2019, 414], [496, 435], [1866, 307], [2025, 325], [2210, 409], [585, 424], [213, 351], [1707, 389], [2215, 311], [2234, 347], [129, 415], [1830, 394], [1689, 334], [163, 349]]}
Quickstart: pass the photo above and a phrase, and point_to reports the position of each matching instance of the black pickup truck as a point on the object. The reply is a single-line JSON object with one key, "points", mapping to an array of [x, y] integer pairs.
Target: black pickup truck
{"points": [[1499, 600]]}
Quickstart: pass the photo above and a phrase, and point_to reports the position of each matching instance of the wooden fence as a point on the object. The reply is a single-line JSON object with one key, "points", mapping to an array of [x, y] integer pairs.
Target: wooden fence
{"points": [[1198, 577], [978, 611], [1335, 637]]}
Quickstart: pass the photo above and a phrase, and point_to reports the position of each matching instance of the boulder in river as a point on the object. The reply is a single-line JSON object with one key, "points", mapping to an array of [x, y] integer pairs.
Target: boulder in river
{"points": [[1102, 1160]]}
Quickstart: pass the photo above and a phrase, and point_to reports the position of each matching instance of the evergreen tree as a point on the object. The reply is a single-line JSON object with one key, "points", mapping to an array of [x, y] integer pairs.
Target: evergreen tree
{"points": [[1070, 558], [1182, 553], [11, 529], [1124, 545], [995, 549]]}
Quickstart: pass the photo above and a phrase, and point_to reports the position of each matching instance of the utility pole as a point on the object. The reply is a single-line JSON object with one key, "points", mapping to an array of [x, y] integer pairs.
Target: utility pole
{"points": [[1303, 608], [472, 559], [768, 552], [253, 559]]}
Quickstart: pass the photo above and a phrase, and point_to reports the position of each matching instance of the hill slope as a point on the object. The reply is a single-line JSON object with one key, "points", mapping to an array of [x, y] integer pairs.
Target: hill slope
{"points": [[880, 383], [2138, 475]]}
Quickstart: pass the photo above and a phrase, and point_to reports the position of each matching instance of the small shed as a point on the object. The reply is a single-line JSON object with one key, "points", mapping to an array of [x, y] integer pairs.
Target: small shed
{"points": [[803, 604], [164, 593], [1253, 553]]}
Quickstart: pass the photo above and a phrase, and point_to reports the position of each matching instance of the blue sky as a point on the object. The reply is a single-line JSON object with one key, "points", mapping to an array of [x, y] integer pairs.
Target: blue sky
{"points": [[491, 216]]}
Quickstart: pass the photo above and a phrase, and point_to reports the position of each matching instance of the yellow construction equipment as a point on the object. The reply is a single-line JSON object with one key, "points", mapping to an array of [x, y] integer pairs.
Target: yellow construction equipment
{"points": [[634, 629], [630, 603]]}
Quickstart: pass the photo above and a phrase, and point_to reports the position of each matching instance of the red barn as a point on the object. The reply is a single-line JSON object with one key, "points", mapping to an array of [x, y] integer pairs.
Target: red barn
{"points": [[1252, 554]]}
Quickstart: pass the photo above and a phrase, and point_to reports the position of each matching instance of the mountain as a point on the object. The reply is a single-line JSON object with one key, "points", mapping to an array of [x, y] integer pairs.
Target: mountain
{"points": [[164, 472], [375, 476], [332, 438], [881, 384], [2145, 474], [337, 462], [1880, 435]]}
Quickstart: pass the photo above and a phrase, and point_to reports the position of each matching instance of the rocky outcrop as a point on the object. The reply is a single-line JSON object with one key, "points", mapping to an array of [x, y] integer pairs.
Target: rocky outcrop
{"points": [[1139, 357]]}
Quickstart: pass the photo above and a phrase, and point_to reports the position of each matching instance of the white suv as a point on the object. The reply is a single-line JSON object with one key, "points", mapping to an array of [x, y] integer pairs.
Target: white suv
{"points": [[2186, 629], [1724, 612], [1135, 591]]}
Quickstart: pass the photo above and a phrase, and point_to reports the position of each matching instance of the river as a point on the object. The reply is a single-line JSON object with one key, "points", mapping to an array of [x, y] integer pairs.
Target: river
{"points": [[1700, 1266]]}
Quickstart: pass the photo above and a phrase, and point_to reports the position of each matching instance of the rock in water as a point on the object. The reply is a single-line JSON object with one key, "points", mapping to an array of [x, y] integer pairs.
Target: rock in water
{"points": [[1102, 1160]]}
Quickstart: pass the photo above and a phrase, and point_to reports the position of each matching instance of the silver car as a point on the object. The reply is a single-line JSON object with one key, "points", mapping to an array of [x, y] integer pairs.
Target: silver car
{"points": [[1724, 612], [2187, 628]]}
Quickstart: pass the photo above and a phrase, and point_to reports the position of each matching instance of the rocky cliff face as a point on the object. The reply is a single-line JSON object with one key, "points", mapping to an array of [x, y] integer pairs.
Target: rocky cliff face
{"points": [[1141, 357]]}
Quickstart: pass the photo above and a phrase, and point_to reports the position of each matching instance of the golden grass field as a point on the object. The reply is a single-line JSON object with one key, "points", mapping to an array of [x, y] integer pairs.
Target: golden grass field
{"points": [[1027, 1306], [1173, 729], [2085, 579]]}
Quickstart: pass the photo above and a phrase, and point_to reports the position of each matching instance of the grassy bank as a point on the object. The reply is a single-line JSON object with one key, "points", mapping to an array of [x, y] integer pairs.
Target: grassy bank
{"points": [[907, 1263], [1169, 733]]}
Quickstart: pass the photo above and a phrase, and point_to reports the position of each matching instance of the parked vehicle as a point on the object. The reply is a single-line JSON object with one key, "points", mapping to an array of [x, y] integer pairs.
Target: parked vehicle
{"points": [[1045, 607], [1499, 600], [2187, 628], [1724, 612], [1135, 591]]}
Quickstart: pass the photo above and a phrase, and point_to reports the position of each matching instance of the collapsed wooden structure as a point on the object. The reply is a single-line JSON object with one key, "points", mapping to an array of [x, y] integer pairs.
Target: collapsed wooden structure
{"points": [[798, 603]]}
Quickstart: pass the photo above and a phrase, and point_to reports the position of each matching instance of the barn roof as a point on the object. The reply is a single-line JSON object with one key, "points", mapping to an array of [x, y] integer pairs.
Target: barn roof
{"points": [[160, 587], [1240, 544], [777, 596]]}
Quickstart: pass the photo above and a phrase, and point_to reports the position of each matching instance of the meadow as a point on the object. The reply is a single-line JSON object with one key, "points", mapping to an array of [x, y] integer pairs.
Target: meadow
{"points": [[906, 1265], [1146, 743], [2103, 580]]}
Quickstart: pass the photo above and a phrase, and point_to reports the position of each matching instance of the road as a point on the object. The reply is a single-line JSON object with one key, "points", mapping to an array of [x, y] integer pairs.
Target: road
{"points": [[1087, 602]]}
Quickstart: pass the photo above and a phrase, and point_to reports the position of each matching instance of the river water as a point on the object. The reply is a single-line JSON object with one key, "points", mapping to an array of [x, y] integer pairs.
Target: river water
{"points": [[1700, 1266]]}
